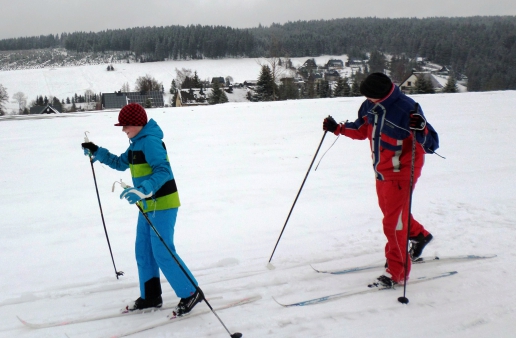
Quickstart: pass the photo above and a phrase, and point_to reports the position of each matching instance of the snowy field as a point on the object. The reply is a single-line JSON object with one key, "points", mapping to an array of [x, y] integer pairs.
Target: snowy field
{"points": [[238, 168]]}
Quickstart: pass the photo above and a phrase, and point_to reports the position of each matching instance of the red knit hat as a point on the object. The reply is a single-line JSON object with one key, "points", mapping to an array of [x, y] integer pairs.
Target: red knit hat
{"points": [[132, 115]]}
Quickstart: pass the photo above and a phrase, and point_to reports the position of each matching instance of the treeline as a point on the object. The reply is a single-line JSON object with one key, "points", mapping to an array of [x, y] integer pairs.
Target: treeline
{"points": [[482, 48]]}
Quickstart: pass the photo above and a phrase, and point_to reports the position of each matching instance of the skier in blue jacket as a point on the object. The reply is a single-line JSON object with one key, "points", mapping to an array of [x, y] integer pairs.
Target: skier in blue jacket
{"points": [[155, 191]]}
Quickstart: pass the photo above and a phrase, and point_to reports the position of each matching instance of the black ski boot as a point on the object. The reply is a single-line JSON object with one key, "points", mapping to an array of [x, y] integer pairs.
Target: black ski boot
{"points": [[187, 304], [418, 244], [141, 304], [383, 282]]}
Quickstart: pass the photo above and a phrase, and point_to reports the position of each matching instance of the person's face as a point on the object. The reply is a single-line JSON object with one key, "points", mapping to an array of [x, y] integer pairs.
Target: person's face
{"points": [[372, 100], [131, 131]]}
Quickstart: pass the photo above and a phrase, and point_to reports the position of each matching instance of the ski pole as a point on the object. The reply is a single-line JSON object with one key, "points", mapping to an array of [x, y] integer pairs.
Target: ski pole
{"points": [[269, 265], [234, 335], [118, 273], [404, 299]]}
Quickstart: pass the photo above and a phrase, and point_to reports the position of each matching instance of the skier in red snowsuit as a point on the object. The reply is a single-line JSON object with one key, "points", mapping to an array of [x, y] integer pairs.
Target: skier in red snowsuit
{"points": [[389, 119]]}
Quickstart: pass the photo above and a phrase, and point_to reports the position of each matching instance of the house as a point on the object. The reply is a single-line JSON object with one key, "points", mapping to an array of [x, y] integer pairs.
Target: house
{"points": [[48, 109], [309, 66], [119, 99], [219, 79], [354, 62], [443, 71], [409, 84], [332, 75], [334, 64], [193, 97], [250, 83]]}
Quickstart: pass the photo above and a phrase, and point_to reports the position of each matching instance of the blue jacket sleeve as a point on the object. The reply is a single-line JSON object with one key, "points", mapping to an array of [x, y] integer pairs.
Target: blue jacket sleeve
{"points": [[428, 138], [119, 163]]}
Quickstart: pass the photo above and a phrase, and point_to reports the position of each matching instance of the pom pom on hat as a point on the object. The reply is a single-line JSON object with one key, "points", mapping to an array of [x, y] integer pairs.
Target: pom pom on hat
{"points": [[376, 86], [132, 115]]}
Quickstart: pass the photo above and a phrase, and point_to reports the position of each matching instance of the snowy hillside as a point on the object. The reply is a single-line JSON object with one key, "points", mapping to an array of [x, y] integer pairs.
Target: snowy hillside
{"points": [[67, 81], [238, 168]]}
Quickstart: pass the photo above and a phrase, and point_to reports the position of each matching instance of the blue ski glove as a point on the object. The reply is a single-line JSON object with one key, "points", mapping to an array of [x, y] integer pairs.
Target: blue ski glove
{"points": [[133, 195]]}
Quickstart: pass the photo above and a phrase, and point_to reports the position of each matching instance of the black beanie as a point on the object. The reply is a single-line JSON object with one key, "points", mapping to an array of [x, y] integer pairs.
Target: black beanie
{"points": [[376, 86]]}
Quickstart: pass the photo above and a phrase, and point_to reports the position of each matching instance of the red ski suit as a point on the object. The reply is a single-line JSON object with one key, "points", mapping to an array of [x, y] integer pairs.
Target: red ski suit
{"points": [[386, 125]]}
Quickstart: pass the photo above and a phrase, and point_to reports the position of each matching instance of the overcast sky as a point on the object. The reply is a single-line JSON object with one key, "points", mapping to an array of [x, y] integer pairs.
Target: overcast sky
{"points": [[20, 18]]}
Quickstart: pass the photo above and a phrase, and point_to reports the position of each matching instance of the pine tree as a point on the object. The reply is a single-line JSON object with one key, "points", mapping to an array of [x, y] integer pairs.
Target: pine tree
{"points": [[342, 88], [265, 86], [423, 85], [288, 90], [195, 81], [451, 85], [4, 97], [323, 89], [217, 95], [377, 62], [355, 89], [173, 87]]}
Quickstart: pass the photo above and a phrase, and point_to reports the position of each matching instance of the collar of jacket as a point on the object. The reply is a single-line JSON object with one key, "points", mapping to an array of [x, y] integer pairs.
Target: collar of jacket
{"points": [[388, 100], [151, 128]]}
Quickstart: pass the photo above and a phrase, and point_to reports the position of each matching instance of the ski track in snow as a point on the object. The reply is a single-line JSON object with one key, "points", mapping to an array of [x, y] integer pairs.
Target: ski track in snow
{"points": [[239, 167]]}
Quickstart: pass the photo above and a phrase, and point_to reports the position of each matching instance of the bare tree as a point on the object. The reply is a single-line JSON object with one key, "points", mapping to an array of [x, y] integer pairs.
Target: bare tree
{"points": [[125, 88], [182, 75], [89, 97], [21, 99], [229, 80], [4, 97], [147, 83]]}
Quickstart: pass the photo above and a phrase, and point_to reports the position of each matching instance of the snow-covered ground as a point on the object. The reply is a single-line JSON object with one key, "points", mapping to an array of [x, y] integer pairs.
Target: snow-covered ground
{"points": [[239, 167]]}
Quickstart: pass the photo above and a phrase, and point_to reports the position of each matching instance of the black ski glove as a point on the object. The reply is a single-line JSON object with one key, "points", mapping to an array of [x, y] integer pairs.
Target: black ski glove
{"points": [[417, 122], [329, 124], [89, 146]]}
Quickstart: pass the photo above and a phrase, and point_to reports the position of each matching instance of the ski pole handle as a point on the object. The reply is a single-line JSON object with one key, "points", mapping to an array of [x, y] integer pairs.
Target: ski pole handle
{"points": [[122, 184]]}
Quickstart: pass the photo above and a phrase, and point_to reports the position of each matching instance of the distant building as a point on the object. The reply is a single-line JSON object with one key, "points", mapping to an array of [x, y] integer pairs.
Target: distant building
{"points": [[309, 65], [331, 75], [334, 64], [119, 99], [48, 109], [409, 84], [250, 83], [192, 97], [354, 62], [218, 79]]}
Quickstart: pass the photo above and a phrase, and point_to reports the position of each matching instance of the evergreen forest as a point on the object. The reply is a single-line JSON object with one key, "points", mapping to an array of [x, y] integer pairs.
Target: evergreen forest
{"points": [[482, 48]]}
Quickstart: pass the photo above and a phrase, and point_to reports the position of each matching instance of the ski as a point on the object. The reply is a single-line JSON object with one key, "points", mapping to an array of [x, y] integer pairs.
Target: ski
{"points": [[360, 292], [420, 260], [194, 313], [84, 319], [122, 313]]}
